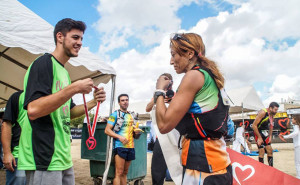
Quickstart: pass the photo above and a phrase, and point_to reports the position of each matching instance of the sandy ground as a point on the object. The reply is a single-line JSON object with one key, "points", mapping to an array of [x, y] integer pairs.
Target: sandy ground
{"points": [[283, 161]]}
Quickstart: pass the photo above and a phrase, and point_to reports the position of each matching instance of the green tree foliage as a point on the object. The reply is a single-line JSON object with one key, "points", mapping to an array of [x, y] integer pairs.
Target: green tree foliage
{"points": [[77, 122]]}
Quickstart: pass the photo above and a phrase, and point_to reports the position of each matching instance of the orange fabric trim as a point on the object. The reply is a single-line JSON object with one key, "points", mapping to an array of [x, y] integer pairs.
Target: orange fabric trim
{"points": [[185, 150], [216, 154]]}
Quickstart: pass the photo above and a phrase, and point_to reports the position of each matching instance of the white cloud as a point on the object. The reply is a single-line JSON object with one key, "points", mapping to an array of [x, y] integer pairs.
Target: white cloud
{"points": [[283, 88], [283, 83], [147, 20], [237, 41], [137, 73], [241, 43]]}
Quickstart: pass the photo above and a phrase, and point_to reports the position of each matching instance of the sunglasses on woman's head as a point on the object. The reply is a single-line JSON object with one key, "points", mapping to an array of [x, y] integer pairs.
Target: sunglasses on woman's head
{"points": [[179, 36]]}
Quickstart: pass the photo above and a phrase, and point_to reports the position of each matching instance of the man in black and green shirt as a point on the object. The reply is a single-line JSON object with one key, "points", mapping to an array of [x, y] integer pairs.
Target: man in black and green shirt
{"points": [[1, 152], [14, 117], [45, 149]]}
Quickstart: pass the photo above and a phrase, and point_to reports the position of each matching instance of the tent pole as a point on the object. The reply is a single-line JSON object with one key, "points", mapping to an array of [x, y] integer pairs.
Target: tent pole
{"points": [[109, 139], [243, 114], [244, 127]]}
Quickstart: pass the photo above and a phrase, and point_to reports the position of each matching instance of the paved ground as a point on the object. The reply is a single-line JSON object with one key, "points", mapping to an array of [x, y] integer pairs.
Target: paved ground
{"points": [[283, 160]]}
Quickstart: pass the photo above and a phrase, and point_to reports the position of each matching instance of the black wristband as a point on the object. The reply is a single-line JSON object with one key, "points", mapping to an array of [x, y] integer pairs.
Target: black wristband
{"points": [[157, 94]]}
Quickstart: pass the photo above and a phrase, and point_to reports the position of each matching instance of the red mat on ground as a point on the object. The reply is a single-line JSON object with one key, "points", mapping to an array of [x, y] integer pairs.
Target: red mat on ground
{"points": [[247, 171]]}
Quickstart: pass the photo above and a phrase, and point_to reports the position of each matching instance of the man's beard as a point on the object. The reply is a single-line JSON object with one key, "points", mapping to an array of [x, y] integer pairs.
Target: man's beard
{"points": [[68, 51], [272, 113], [124, 108]]}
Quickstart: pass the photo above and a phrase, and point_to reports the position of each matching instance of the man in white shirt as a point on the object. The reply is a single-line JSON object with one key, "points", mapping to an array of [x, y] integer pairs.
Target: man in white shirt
{"points": [[239, 140]]}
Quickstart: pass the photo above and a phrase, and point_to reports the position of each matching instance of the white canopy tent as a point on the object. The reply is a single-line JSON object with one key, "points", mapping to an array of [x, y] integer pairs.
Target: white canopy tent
{"points": [[244, 99], [23, 37]]}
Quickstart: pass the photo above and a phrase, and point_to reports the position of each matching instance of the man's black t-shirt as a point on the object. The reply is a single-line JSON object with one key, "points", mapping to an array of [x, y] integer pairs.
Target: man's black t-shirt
{"points": [[40, 80], [11, 115]]}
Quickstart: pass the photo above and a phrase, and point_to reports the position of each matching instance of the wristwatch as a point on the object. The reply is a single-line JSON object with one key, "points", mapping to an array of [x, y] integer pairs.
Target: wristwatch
{"points": [[157, 94]]}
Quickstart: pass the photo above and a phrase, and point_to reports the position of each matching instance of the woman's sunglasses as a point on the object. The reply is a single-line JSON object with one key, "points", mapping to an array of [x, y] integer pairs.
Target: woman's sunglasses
{"points": [[179, 36]]}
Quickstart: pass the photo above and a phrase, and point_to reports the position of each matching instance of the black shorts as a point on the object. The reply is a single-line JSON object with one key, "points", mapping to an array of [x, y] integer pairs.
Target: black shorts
{"points": [[266, 138], [126, 153]]}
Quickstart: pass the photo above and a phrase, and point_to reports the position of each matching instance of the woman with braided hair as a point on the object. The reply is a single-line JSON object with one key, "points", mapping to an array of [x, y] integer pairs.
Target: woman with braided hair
{"points": [[197, 112]]}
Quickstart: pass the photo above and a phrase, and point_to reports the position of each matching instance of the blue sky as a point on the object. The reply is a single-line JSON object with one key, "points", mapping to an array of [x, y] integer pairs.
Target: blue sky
{"points": [[53, 11], [252, 42]]}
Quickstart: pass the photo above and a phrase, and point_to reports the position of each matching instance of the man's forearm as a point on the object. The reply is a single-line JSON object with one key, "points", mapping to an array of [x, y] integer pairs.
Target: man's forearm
{"points": [[256, 131], [111, 133], [78, 110], [45, 105], [271, 131], [6, 137], [150, 105]]}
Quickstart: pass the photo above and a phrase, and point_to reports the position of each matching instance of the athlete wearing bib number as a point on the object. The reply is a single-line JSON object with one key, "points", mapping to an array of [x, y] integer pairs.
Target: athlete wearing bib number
{"points": [[263, 128]]}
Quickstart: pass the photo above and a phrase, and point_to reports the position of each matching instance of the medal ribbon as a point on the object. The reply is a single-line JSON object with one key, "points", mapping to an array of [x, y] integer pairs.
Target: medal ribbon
{"points": [[91, 142]]}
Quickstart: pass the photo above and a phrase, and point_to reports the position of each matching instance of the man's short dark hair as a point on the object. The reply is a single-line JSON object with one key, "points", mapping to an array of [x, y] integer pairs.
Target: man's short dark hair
{"points": [[121, 96], [66, 25], [167, 75], [273, 104]]}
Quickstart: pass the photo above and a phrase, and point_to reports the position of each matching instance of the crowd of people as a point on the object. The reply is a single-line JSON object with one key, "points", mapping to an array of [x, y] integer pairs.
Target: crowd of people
{"points": [[36, 123]]}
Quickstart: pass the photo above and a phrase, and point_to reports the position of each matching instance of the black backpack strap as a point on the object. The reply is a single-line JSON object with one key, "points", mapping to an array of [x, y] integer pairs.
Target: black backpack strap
{"points": [[227, 99], [119, 122], [197, 123], [179, 142]]}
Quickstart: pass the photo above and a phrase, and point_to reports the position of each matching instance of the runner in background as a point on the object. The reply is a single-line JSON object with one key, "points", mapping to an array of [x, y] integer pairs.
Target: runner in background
{"points": [[120, 126], [263, 128]]}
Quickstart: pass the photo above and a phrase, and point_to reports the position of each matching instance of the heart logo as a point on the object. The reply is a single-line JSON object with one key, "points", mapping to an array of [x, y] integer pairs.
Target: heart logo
{"points": [[246, 124], [283, 121], [91, 143], [247, 135], [243, 168]]}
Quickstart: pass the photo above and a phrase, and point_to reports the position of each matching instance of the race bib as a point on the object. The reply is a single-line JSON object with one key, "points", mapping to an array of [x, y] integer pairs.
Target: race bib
{"points": [[265, 133]]}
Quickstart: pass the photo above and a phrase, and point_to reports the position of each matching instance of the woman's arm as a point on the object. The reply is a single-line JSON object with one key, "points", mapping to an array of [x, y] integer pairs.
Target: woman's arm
{"points": [[168, 118], [150, 105], [293, 134]]}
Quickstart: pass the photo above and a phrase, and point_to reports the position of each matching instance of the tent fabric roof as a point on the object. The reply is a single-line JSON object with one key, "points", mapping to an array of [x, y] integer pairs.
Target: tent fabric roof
{"points": [[245, 99], [23, 37]]}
